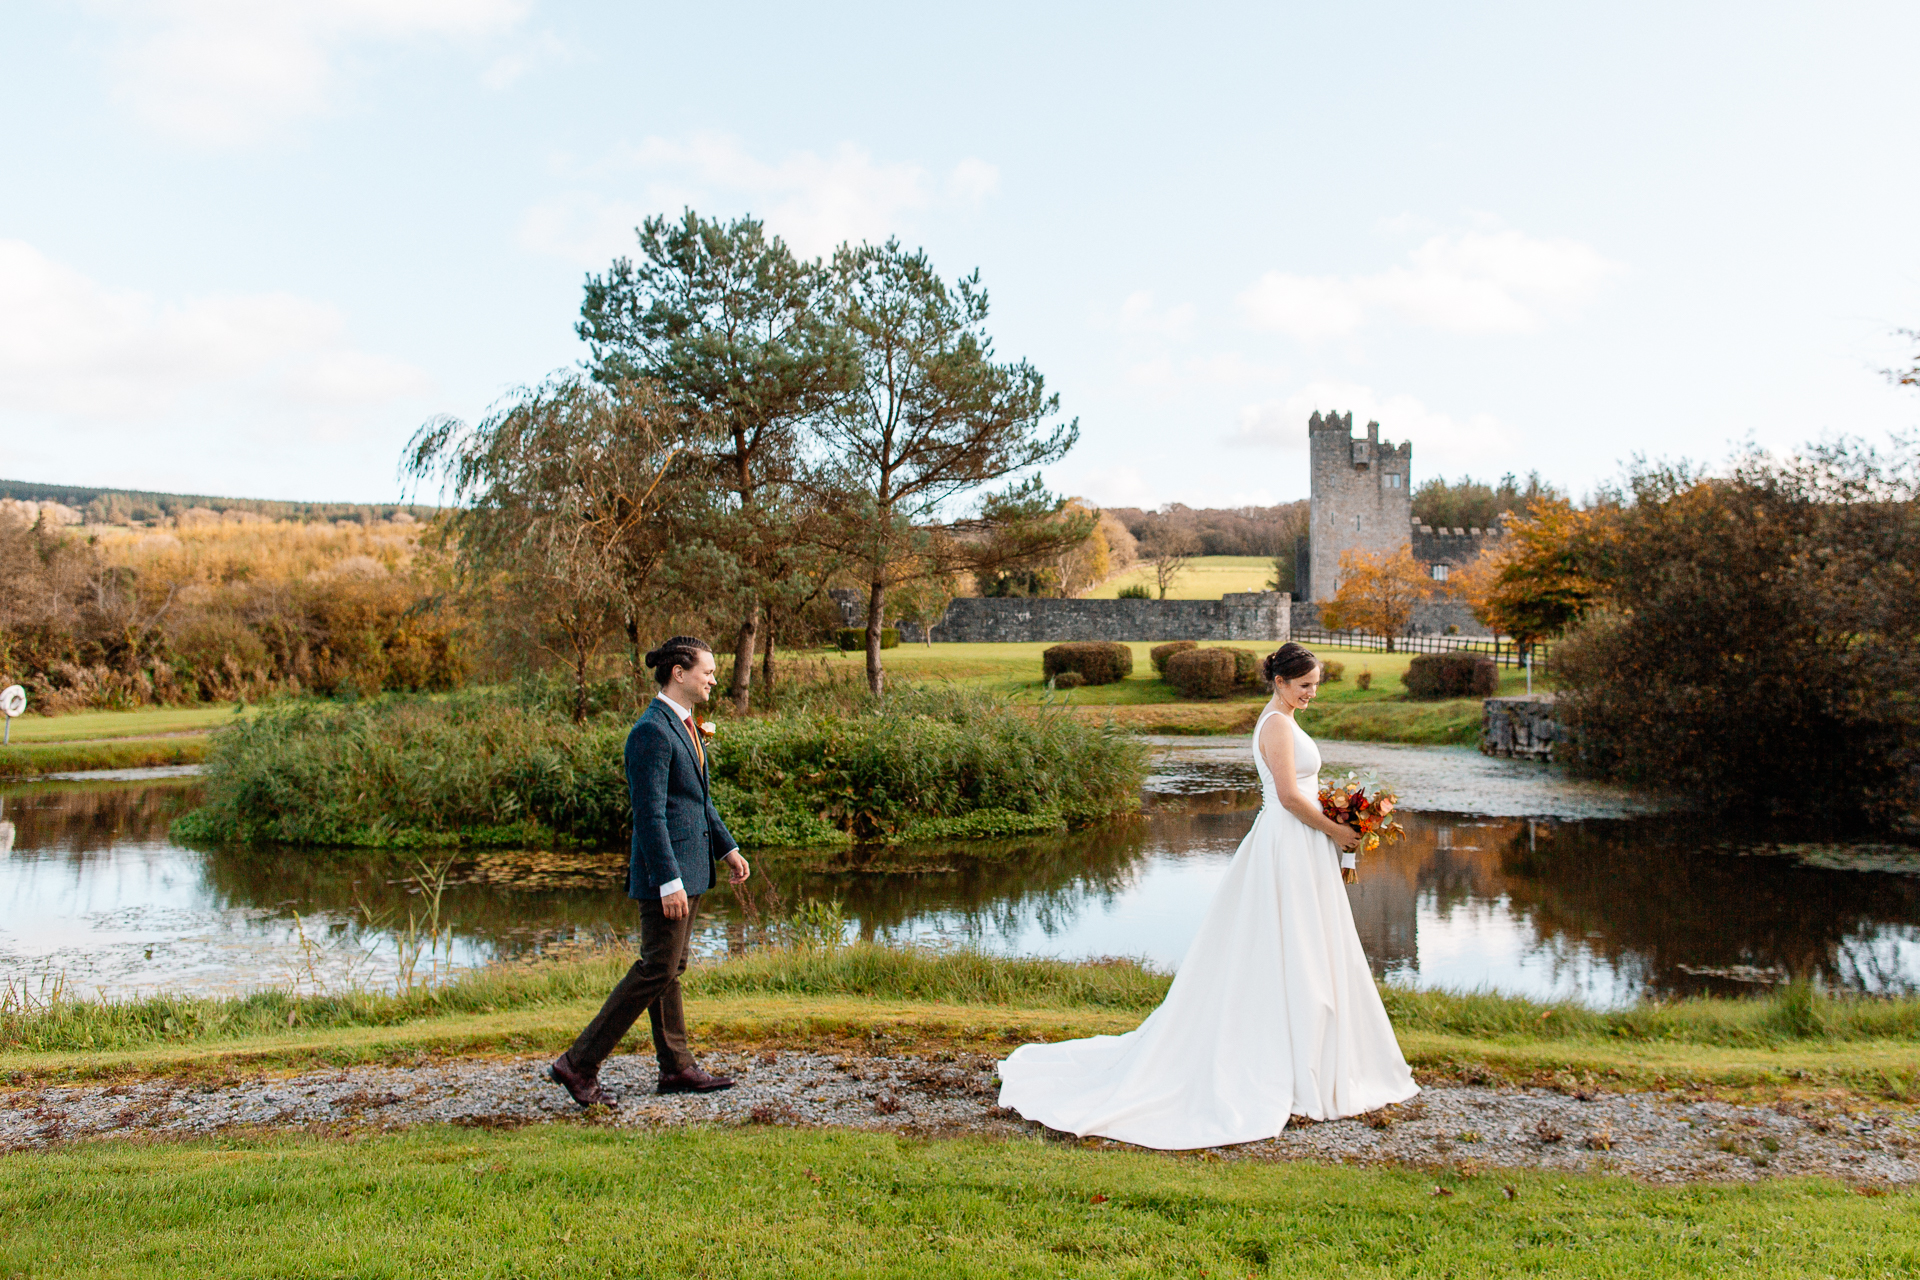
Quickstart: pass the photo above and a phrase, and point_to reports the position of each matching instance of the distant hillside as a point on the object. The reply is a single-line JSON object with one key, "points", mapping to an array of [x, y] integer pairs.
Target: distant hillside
{"points": [[127, 506]]}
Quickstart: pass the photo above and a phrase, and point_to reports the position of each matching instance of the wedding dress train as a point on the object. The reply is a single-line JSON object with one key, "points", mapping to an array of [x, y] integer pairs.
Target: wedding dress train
{"points": [[1272, 1013]]}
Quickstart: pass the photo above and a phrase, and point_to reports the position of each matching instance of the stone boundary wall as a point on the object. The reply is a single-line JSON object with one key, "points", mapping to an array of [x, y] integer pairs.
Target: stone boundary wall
{"points": [[1249, 615], [1430, 618], [1520, 728]]}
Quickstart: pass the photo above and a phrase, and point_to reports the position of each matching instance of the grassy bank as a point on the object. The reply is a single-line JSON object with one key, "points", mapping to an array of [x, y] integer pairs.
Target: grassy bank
{"points": [[33, 760], [88, 740], [484, 769], [573, 1200], [914, 999]]}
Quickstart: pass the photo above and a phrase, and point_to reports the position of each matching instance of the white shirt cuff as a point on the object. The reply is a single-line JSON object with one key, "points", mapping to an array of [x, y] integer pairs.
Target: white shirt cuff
{"points": [[670, 888], [1347, 860], [729, 853]]}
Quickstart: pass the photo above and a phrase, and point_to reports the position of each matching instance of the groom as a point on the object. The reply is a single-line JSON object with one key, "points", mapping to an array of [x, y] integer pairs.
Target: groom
{"points": [[677, 839]]}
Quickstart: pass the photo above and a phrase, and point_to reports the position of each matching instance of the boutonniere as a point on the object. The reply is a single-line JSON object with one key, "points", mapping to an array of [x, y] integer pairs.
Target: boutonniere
{"points": [[706, 728]]}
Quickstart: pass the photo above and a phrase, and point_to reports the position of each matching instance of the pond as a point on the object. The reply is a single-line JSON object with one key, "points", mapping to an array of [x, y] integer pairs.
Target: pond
{"points": [[1512, 879]]}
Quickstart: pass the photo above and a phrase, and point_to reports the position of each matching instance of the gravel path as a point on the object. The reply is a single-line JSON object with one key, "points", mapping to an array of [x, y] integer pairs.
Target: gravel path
{"points": [[1655, 1137]]}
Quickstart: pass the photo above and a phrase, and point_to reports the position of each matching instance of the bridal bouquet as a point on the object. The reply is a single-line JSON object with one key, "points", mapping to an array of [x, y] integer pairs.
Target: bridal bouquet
{"points": [[1366, 804]]}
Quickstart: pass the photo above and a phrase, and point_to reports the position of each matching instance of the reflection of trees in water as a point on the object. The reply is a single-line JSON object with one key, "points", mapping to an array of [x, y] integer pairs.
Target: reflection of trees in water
{"points": [[83, 819], [1644, 890]]}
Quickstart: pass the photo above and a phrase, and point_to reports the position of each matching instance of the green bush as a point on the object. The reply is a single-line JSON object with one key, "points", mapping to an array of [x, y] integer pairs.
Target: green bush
{"points": [[1246, 669], [1159, 654], [854, 639], [1201, 673], [1069, 680], [1100, 661], [476, 769], [1331, 671], [1451, 675], [1138, 591]]}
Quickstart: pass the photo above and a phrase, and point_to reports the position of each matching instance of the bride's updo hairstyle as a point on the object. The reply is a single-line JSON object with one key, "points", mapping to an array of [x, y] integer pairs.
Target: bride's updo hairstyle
{"points": [[1289, 662], [681, 651]]}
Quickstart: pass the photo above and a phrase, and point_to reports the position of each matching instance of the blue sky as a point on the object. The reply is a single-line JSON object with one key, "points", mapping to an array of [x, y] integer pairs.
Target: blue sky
{"points": [[247, 248]]}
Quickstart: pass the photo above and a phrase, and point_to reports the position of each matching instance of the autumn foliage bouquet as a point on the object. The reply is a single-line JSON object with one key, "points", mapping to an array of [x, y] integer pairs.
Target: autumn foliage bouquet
{"points": [[1366, 804]]}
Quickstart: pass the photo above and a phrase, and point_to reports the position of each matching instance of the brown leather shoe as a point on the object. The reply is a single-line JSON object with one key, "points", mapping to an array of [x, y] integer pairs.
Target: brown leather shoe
{"points": [[692, 1080], [586, 1090]]}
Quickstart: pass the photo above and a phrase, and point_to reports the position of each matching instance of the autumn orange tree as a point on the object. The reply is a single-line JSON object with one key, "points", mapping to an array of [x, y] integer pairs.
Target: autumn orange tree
{"points": [[1547, 576], [1377, 594]]}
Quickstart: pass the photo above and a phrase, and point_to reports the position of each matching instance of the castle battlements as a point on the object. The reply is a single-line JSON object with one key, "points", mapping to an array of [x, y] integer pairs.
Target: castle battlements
{"points": [[1362, 497]]}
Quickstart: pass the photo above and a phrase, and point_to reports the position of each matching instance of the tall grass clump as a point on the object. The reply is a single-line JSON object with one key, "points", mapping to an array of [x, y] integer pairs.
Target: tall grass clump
{"points": [[491, 768]]}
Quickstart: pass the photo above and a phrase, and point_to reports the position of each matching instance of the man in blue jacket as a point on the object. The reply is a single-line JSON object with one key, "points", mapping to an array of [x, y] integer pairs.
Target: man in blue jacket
{"points": [[677, 839]]}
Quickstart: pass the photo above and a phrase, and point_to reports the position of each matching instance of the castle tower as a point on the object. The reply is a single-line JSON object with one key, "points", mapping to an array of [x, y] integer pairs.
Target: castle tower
{"points": [[1361, 498]]}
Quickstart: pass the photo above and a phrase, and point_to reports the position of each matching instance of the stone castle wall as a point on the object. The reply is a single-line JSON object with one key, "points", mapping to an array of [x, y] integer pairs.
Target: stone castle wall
{"points": [[1251, 615], [1361, 498]]}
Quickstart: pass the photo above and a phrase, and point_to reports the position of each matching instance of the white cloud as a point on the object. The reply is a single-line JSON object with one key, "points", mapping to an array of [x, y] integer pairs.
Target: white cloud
{"points": [[77, 354], [815, 202], [1497, 281], [1442, 443], [1224, 369], [219, 72], [1138, 314]]}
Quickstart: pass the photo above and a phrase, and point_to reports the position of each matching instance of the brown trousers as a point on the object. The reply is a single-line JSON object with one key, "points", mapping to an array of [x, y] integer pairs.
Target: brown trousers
{"points": [[653, 985]]}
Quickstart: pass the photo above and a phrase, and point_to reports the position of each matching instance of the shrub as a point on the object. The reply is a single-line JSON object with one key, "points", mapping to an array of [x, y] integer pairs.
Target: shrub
{"points": [[1100, 661], [1159, 654], [1069, 680], [478, 769], [1201, 673], [1363, 681], [1138, 591], [1451, 675], [1246, 669], [854, 639], [1331, 671]]}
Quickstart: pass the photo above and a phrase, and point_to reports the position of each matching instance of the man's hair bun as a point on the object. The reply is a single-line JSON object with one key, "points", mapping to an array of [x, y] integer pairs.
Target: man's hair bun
{"points": [[680, 651]]}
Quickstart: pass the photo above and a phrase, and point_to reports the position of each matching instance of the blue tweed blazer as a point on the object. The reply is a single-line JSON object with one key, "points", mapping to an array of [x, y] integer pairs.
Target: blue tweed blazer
{"points": [[677, 833]]}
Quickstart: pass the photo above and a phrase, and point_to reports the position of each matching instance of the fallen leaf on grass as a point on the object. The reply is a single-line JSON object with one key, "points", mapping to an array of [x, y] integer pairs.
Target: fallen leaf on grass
{"points": [[813, 1177], [1098, 1199], [1441, 1191]]}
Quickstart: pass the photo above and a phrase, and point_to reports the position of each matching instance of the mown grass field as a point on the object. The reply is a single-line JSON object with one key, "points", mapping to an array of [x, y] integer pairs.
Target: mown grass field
{"points": [[1147, 703], [570, 1199], [1203, 578]]}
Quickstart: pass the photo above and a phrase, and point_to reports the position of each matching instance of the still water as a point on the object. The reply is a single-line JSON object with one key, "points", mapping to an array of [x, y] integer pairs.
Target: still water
{"points": [[1512, 879]]}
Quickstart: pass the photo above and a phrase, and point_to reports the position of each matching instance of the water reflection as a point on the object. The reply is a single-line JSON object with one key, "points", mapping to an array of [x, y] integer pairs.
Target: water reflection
{"points": [[1599, 910]]}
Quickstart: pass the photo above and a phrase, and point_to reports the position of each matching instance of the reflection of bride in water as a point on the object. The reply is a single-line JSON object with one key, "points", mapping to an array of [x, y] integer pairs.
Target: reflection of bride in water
{"points": [[1273, 1012]]}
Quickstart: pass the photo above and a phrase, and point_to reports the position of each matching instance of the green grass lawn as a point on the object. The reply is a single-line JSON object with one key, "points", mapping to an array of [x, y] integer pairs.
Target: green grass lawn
{"points": [[570, 1199], [1203, 578], [1343, 709], [92, 725]]}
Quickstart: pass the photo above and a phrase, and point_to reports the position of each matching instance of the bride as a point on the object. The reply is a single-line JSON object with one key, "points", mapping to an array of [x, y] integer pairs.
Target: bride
{"points": [[1272, 1013]]}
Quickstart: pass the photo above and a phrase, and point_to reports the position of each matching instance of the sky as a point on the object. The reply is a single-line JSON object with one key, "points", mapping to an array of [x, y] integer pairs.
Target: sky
{"points": [[248, 249]]}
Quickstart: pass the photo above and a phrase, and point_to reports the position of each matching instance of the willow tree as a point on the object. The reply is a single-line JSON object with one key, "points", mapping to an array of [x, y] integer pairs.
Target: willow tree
{"points": [[729, 324], [561, 503], [932, 417]]}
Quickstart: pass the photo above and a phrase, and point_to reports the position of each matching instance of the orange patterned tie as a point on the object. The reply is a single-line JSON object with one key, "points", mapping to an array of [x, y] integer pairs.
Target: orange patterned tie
{"points": [[699, 751]]}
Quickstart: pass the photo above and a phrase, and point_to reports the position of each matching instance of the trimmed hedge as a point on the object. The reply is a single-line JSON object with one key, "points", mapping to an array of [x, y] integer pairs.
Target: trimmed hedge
{"points": [[1451, 675], [1159, 654], [1246, 669], [1202, 673], [1331, 671], [1069, 680], [853, 639], [1100, 661]]}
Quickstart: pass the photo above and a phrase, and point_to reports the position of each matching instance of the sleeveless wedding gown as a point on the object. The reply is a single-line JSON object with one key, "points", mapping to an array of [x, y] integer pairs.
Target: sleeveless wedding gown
{"points": [[1273, 1012]]}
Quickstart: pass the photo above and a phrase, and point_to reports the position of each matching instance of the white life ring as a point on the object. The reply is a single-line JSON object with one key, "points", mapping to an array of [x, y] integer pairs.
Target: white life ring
{"points": [[13, 701]]}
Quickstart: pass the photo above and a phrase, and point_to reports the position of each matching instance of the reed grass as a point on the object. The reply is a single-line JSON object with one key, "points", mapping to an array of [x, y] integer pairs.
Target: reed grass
{"points": [[497, 768]]}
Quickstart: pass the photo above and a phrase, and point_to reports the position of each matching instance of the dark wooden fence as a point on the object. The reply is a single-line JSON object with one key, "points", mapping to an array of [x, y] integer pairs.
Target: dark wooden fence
{"points": [[1504, 652]]}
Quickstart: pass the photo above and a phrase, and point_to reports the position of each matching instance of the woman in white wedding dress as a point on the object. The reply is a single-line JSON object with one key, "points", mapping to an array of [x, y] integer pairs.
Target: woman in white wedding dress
{"points": [[1273, 1012]]}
